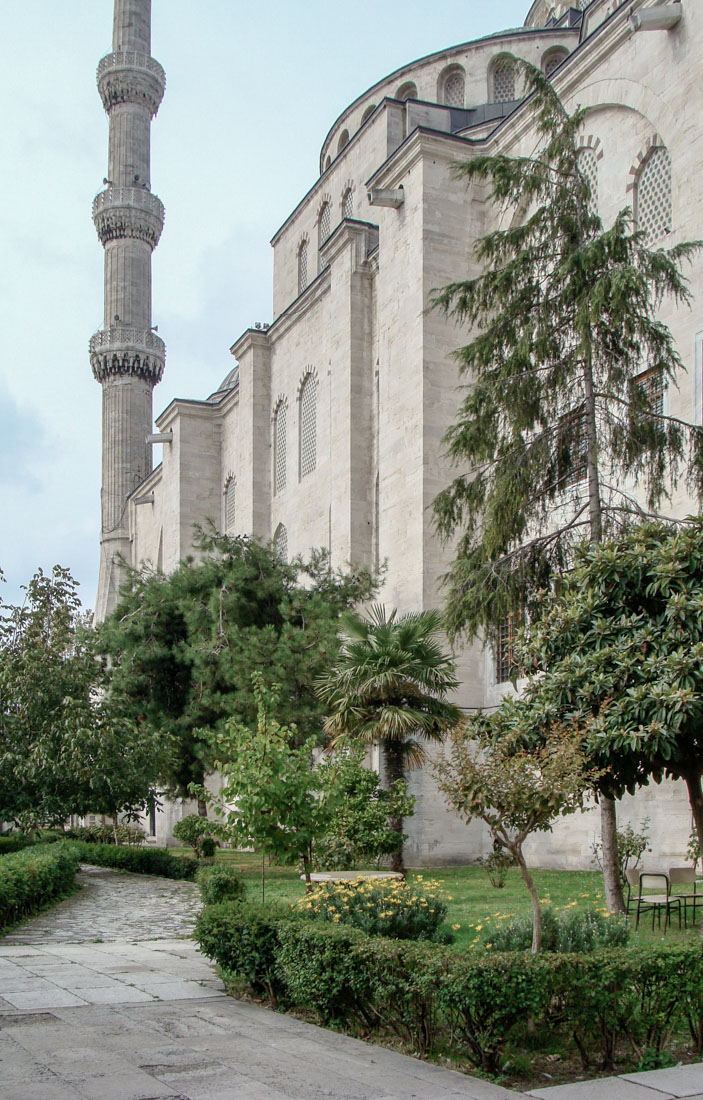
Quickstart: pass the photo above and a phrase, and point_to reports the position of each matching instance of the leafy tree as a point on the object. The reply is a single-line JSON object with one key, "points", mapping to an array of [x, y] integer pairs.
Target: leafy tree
{"points": [[361, 831], [271, 797], [515, 791], [64, 747], [183, 647], [390, 685], [619, 652], [197, 833], [559, 421]]}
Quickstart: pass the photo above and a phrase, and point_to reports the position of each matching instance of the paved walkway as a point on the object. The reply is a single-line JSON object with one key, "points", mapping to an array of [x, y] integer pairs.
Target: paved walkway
{"points": [[93, 1006]]}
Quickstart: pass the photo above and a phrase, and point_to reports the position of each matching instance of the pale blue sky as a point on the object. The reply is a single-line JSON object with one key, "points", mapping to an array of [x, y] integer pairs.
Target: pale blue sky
{"points": [[252, 89]]}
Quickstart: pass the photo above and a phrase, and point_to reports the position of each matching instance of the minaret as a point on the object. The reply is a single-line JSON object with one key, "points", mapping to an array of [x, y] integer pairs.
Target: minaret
{"points": [[127, 356]]}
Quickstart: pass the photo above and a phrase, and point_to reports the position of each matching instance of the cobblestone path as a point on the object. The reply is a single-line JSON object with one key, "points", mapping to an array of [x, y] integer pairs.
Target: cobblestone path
{"points": [[114, 905]]}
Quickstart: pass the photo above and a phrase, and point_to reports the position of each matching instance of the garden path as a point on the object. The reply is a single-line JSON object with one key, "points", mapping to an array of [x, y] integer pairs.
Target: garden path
{"points": [[95, 1006]]}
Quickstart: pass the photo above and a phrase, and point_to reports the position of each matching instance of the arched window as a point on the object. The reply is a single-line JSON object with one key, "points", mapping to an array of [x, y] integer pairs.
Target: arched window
{"points": [[230, 503], [308, 424], [452, 87], [324, 224], [343, 140], [280, 542], [368, 112], [588, 167], [279, 446], [302, 267], [503, 81], [348, 203], [328, 162], [407, 91], [552, 60], [653, 213]]}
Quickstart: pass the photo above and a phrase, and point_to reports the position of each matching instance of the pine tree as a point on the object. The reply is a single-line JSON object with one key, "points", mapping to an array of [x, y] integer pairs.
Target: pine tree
{"points": [[561, 436]]}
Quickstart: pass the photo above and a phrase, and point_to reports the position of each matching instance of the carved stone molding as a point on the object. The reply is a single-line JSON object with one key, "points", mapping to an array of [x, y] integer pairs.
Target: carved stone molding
{"points": [[130, 77], [124, 212], [119, 351]]}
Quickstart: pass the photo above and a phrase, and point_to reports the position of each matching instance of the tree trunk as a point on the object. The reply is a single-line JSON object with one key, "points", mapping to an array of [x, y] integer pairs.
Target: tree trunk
{"points": [[114, 828], [202, 807], [611, 864], [536, 907], [306, 869], [695, 797], [394, 760]]}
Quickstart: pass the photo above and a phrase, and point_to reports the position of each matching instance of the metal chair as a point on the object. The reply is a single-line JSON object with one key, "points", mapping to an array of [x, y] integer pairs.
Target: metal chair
{"points": [[651, 880], [686, 876], [632, 877]]}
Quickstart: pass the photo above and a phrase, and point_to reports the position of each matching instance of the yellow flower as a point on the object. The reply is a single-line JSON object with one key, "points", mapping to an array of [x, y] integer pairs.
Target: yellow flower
{"points": [[489, 946], [456, 927], [479, 927]]}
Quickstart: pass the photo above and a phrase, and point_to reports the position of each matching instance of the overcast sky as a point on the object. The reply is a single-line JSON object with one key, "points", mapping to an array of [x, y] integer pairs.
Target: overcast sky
{"points": [[251, 92]]}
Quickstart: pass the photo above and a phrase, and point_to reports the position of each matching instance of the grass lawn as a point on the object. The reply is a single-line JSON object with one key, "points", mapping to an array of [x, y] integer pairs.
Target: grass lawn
{"points": [[474, 902]]}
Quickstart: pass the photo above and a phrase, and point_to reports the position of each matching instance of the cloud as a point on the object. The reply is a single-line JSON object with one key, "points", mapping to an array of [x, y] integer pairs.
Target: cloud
{"points": [[22, 442]]}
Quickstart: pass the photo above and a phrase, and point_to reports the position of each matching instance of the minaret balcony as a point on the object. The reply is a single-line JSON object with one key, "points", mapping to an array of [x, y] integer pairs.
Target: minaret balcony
{"points": [[139, 353], [128, 212], [131, 77]]}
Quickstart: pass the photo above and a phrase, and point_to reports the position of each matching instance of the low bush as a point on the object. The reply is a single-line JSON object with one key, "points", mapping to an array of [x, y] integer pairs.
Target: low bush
{"points": [[219, 882], [199, 833], [576, 932], [381, 907], [140, 861], [244, 940], [107, 834], [14, 842], [31, 878]]}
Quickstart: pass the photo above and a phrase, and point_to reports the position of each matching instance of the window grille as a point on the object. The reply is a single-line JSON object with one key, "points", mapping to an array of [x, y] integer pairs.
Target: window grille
{"points": [[348, 204], [553, 62], [507, 667], [588, 167], [324, 224], [454, 88], [368, 112], [308, 425], [653, 196], [279, 448], [343, 140], [230, 504], [503, 82], [280, 542], [302, 267], [651, 385]]}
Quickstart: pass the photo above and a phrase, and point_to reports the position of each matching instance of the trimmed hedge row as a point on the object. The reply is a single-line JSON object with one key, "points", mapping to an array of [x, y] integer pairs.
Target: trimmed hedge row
{"points": [[14, 843], [32, 877], [477, 1002], [140, 861]]}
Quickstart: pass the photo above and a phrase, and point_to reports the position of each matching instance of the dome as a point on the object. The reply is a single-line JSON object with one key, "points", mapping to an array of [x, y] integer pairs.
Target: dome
{"points": [[228, 383]]}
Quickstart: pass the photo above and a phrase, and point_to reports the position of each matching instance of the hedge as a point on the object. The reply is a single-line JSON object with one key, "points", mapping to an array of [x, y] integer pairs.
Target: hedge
{"points": [[31, 878], [15, 842], [141, 861], [478, 1003]]}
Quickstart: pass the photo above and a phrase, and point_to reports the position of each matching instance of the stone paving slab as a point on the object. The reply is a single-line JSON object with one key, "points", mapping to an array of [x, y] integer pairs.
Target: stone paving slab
{"points": [[680, 1081]]}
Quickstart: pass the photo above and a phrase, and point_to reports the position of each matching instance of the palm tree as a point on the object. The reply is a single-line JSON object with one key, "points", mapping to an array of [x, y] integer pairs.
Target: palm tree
{"points": [[389, 686]]}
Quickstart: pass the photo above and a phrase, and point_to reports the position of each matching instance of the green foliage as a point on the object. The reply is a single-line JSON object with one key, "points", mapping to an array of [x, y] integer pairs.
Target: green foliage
{"points": [[65, 748], [196, 831], [490, 775], [631, 847], [107, 834], [572, 932], [140, 861], [360, 831], [244, 940], [183, 647], [219, 883], [31, 878], [496, 865], [279, 803], [565, 316], [15, 842], [381, 907], [693, 851]]}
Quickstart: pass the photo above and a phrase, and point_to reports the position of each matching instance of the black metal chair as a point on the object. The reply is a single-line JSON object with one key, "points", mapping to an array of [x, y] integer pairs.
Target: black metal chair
{"points": [[686, 876], [653, 880]]}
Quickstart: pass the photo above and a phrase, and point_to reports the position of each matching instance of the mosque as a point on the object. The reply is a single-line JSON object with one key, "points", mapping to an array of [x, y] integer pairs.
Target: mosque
{"points": [[328, 429]]}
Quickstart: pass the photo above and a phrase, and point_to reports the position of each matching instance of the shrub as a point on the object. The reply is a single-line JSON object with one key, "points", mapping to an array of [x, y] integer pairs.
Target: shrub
{"points": [[198, 832], [380, 907], [32, 877], [14, 842], [573, 932], [496, 865], [140, 861], [244, 940], [107, 834], [219, 883]]}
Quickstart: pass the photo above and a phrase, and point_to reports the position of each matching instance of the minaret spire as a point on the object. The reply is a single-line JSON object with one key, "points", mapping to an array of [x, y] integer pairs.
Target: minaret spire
{"points": [[127, 356]]}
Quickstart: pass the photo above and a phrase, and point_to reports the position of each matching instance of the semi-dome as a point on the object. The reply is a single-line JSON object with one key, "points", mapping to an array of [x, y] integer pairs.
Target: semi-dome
{"points": [[228, 383]]}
